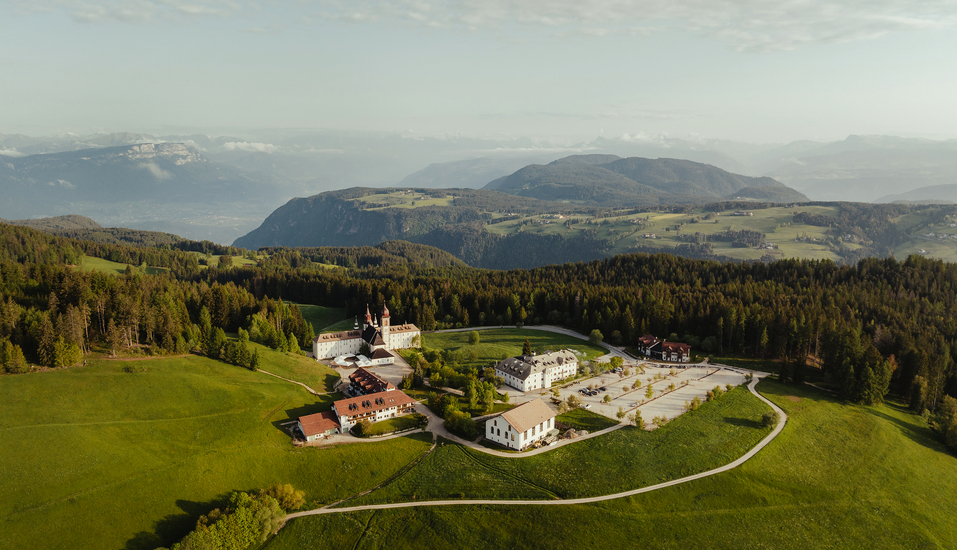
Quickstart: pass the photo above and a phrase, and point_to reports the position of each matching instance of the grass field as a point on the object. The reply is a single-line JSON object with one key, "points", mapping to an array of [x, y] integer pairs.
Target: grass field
{"points": [[312, 373], [776, 223], [398, 424], [582, 419], [402, 199], [323, 318], [90, 263], [839, 476], [92, 457], [496, 344], [625, 459]]}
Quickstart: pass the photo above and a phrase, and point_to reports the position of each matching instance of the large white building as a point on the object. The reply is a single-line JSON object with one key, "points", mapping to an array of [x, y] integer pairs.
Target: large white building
{"points": [[378, 334], [522, 426], [532, 372], [373, 407]]}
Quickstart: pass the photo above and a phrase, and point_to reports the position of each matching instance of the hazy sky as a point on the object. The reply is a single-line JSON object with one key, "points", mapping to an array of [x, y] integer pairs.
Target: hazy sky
{"points": [[753, 70]]}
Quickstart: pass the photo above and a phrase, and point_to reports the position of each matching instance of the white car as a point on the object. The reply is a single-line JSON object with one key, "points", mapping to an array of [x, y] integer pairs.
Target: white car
{"points": [[588, 406]]}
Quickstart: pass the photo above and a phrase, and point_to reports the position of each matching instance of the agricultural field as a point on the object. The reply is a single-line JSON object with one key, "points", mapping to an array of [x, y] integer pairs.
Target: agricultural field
{"points": [[838, 476], [497, 344], [403, 199], [95, 457], [792, 240]]}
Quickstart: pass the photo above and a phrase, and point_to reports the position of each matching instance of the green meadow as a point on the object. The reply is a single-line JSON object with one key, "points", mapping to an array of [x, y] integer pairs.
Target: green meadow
{"points": [[496, 344], [89, 263], [94, 457], [838, 476], [325, 319]]}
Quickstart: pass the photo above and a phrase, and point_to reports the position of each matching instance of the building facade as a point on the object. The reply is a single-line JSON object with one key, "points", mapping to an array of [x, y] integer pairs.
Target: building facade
{"points": [[532, 372], [522, 426], [378, 334], [373, 407]]}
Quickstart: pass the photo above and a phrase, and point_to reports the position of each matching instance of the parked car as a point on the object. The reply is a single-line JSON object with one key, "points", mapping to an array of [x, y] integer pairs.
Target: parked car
{"points": [[603, 388], [588, 406]]}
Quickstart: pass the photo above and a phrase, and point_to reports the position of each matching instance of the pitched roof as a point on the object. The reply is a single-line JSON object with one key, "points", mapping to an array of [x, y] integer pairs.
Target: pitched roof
{"points": [[530, 414], [403, 328], [523, 366], [371, 403], [370, 382], [675, 346], [335, 336], [319, 423], [382, 353]]}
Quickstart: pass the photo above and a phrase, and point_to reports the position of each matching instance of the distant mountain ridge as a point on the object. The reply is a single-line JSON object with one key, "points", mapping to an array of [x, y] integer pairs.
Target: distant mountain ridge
{"points": [[609, 180]]}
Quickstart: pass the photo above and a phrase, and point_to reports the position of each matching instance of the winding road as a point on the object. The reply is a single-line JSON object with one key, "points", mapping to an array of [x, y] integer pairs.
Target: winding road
{"points": [[564, 502]]}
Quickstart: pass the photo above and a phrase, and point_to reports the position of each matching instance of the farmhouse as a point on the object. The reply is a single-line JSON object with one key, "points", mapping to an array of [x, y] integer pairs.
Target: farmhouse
{"points": [[521, 426], [532, 372], [373, 407], [378, 334], [314, 426], [646, 342], [664, 351]]}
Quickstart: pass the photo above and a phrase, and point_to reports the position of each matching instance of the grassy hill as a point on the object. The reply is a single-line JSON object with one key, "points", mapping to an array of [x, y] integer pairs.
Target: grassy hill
{"points": [[839, 476], [607, 180], [94, 457]]}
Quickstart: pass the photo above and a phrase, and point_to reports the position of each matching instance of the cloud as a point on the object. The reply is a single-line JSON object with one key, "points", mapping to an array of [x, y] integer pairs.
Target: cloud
{"points": [[252, 147], [157, 172], [745, 25], [11, 153], [62, 183]]}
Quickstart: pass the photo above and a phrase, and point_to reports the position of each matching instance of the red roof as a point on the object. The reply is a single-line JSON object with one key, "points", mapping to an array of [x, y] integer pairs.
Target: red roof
{"points": [[382, 353], [319, 423], [372, 403], [369, 381], [648, 340], [675, 346]]}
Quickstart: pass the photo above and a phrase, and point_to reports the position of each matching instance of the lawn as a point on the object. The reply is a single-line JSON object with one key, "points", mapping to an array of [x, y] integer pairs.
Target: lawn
{"points": [[838, 476], [322, 318], [89, 263], [310, 372], [497, 344], [92, 457], [625, 459], [397, 424], [743, 362], [583, 419]]}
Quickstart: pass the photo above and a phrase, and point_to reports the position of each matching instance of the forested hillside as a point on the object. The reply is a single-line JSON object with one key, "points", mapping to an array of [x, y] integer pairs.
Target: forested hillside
{"points": [[877, 326]]}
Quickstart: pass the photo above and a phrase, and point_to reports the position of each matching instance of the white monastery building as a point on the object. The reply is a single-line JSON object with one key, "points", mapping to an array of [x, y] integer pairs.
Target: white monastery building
{"points": [[373, 407], [379, 334], [532, 372], [522, 426]]}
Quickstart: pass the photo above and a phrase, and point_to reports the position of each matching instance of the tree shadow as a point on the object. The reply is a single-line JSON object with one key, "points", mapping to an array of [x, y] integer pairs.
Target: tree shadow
{"points": [[174, 527], [743, 422], [921, 435]]}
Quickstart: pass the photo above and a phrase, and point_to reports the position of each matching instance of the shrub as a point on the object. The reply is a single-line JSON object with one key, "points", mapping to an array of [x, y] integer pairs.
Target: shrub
{"points": [[288, 497], [770, 419]]}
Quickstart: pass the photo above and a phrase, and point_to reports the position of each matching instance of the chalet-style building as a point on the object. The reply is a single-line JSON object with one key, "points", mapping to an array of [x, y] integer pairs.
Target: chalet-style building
{"points": [[363, 382], [373, 407], [378, 334], [646, 343], [522, 426], [532, 372], [315, 426]]}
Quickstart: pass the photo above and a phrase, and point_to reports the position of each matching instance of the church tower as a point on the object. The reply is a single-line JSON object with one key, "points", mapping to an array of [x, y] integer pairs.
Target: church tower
{"points": [[368, 320], [384, 326]]}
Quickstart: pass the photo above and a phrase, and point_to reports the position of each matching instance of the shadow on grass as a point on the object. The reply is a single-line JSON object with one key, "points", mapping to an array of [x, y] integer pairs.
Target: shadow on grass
{"points": [[305, 410], [921, 435], [174, 527], [743, 422]]}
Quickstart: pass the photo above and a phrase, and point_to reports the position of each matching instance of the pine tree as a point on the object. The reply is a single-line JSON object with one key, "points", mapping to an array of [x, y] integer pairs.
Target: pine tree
{"points": [[527, 347]]}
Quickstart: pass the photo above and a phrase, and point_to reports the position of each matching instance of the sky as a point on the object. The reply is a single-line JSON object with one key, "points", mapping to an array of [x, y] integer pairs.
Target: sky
{"points": [[751, 70]]}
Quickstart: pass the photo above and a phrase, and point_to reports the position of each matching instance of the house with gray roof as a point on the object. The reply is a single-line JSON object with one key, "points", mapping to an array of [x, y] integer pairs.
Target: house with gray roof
{"points": [[533, 372]]}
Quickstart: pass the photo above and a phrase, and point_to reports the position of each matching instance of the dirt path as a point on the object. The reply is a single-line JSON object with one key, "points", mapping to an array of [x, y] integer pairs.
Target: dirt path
{"points": [[747, 456], [310, 390]]}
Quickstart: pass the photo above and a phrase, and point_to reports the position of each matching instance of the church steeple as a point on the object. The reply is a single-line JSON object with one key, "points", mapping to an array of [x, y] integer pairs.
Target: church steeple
{"points": [[368, 320]]}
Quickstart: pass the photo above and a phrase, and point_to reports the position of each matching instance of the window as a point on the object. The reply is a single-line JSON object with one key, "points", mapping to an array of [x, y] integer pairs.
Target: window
{"points": [[499, 432]]}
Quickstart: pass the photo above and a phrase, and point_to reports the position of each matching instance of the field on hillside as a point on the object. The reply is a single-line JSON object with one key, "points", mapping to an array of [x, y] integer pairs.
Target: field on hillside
{"points": [[310, 372], [93, 457], [839, 476], [324, 319], [625, 459], [775, 223], [497, 344], [402, 199], [90, 263]]}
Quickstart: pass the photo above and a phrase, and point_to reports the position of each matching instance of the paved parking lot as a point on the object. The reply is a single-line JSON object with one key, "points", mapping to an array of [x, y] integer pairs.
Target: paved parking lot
{"points": [[700, 379]]}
